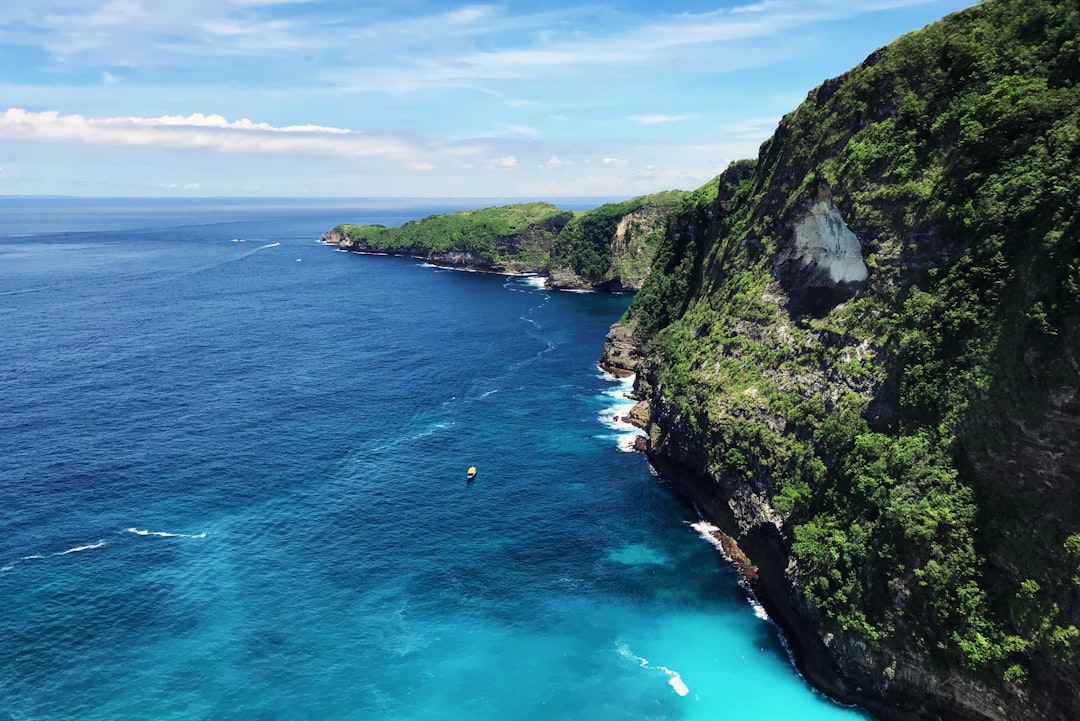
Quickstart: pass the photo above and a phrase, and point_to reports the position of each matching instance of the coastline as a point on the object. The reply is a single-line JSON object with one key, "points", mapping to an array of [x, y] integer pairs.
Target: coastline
{"points": [[885, 682], [761, 577]]}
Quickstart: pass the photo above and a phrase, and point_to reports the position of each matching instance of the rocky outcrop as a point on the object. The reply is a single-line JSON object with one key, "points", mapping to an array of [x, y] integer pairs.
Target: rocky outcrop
{"points": [[859, 357], [607, 249], [457, 260], [567, 279], [621, 354], [894, 683]]}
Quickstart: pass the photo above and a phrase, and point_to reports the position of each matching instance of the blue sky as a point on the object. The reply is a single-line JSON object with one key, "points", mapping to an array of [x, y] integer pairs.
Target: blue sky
{"points": [[329, 98]]}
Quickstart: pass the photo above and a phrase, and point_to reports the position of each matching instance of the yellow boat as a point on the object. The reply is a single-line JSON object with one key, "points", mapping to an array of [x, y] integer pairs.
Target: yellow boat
{"points": [[470, 473]]}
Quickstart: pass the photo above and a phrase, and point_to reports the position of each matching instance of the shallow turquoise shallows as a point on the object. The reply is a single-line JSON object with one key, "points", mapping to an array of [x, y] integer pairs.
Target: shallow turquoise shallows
{"points": [[232, 486]]}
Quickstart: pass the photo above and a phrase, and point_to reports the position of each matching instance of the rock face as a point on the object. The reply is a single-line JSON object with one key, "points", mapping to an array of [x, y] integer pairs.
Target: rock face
{"points": [[609, 248], [859, 356], [825, 243], [621, 353]]}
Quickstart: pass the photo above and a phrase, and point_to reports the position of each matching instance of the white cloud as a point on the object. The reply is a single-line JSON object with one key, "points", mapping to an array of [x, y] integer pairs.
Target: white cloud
{"points": [[207, 132], [751, 128], [655, 119], [116, 12], [376, 49], [615, 161], [555, 162]]}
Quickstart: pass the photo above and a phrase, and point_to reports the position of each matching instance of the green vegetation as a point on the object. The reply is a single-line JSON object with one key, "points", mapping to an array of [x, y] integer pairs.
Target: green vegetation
{"points": [[877, 426], [521, 232], [615, 242]]}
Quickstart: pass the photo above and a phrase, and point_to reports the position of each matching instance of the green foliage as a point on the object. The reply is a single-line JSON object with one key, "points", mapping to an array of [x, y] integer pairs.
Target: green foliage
{"points": [[616, 240], [585, 245], [512, 232], [953, 154]]}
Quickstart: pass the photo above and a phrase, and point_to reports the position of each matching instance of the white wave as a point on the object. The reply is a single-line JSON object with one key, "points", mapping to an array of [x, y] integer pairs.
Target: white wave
{"points": [[32, 557], [627, 381], [268, 245], [628, 441], [535, 281], [79, 549], [488, 393], [5, 569], [759, 610], [674, 679], [708, 531], [165, 534], [620, 404]]}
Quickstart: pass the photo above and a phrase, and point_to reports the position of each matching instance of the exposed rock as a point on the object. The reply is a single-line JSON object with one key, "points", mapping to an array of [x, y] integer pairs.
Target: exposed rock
{"points": [[620, 355], [823, 241], [865, 370], [567, 279], [638, 415]]}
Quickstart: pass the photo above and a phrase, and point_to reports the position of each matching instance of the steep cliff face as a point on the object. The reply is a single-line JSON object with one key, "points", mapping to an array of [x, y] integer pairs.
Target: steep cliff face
{"points": [[608, 248], [611, 247], [859, 355], [508, 239]]}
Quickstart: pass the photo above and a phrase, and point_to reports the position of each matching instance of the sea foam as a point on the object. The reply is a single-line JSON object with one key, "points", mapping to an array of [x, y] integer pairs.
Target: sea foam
{"points": [[674, 679], [618, 404], [708, 531]]}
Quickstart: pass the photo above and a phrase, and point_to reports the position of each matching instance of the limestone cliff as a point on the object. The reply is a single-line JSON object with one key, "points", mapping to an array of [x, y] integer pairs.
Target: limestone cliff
{"points": [[860, 356], [608, 248]]}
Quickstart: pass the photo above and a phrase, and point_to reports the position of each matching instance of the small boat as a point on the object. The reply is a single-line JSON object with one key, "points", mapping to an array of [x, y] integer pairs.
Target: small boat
{"points": [[471, 473]]}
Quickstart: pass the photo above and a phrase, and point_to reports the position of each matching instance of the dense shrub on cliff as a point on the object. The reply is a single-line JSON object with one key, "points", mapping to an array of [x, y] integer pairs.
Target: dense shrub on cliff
{"points": [[586, 245], [915, 431], [609, 247], [523, 232]]}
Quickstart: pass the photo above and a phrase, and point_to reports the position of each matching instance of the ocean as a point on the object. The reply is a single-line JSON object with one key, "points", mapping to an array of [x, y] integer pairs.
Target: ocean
{"points": [[232, 486]]}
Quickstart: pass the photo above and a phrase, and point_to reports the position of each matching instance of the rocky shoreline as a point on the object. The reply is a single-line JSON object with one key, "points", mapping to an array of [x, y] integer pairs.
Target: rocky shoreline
{"points": [[891, 683], [554, 279]]}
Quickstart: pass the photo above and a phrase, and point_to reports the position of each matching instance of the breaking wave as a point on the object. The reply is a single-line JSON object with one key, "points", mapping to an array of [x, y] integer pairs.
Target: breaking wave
{"points": [[674, 679]]}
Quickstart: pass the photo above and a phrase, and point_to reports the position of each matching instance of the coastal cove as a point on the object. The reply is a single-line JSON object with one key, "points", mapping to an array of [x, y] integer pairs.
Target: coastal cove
{"points": [[233, 482]]}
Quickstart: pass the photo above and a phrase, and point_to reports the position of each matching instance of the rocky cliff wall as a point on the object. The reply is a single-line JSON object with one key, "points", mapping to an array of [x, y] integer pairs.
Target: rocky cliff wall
{"points": [[860, 361]]}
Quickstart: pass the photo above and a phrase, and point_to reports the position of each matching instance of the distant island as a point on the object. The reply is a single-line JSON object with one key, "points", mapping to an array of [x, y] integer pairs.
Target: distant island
{"points": [[859, 356], [609, 248]]}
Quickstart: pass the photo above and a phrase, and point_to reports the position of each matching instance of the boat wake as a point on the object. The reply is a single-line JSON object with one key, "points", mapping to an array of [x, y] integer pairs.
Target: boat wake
{"points": [[165, 534], [42, 556], [80, 549]]}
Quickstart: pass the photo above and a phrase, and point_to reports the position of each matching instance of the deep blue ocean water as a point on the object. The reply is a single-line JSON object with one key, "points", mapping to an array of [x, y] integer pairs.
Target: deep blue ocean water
{"points": [[232, 486]]}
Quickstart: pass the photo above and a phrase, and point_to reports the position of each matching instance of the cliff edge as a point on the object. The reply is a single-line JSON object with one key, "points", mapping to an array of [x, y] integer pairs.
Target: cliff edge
{"points": [[859, 355], [608, 248]]}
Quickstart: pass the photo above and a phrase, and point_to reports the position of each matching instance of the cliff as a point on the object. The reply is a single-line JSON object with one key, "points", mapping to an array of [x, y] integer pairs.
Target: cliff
{"points": [[859, 355], [608, 248]]}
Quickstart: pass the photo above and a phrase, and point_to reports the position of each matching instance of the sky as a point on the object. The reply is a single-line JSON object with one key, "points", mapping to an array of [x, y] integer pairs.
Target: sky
{"points": [[342, 98]]}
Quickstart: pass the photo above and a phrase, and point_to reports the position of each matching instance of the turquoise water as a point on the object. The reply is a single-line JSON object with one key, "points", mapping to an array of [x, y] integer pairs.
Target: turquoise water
{"points": [[232, 487]]}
